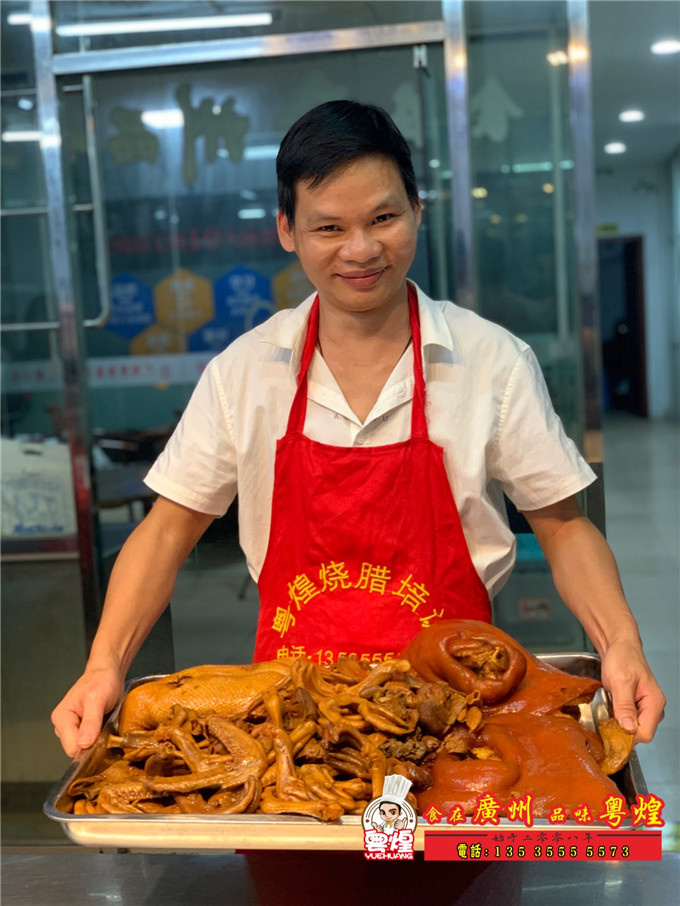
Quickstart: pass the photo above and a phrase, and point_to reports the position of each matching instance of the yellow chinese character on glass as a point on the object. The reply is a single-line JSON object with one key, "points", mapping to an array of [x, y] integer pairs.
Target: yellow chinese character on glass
{"points": [[487, 809], [462, 850], [582, 814], [614, 811], [557, 814], [520, 810], [647, 810], [283, 620], [433, 815], [412, 593], [373, 578], [435, 615], [334, 575], [302, 590], [456, 815]]}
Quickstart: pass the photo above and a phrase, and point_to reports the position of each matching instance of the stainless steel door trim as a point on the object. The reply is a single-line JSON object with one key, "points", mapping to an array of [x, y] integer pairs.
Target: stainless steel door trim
{"points": [[29, 326], [33, 211], [69, 331], [101, 254], [248, 48], [585, 238], [83, 207], [456, 74]]}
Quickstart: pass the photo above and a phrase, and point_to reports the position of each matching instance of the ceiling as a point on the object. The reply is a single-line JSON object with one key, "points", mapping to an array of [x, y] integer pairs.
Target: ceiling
{"points": [[627, 75]]}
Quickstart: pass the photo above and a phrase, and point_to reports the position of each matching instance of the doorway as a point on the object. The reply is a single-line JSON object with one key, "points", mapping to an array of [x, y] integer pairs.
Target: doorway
{"points": [[622, 315]]}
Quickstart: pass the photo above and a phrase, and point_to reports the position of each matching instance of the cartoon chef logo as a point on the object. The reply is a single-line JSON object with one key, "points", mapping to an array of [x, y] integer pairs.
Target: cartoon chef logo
{"points": [[389, 822]]}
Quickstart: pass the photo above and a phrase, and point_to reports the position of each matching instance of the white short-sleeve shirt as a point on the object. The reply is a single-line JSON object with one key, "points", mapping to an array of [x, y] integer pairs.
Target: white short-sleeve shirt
{"points": [[486, 404]]}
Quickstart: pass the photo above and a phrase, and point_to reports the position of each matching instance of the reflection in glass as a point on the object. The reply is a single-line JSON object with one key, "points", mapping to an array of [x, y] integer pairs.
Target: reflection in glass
{"points": [[92, 25], [16, 49], [523, 186], [22, 183]]}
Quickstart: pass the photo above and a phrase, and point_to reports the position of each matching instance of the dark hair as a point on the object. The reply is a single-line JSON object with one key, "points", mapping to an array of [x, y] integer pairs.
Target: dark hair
{"points": [[333, 134], [387, 802]]}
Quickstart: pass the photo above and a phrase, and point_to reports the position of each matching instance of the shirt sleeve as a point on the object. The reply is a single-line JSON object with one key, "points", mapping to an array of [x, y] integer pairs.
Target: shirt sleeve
{"points": [[197, 468], [533, 459]]}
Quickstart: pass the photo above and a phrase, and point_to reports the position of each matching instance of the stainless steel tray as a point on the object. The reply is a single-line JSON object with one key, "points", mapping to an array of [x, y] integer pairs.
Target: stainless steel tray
{"points": [[243, 832]]}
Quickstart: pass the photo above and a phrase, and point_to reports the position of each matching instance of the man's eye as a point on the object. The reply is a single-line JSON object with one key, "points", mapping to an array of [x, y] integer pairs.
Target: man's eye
{"points": [[383, 218], [328, 228]]}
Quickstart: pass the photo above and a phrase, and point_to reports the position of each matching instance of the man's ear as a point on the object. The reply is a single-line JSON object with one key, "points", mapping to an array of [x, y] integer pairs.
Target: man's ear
{"points": [[285, 232], [417, 213]]}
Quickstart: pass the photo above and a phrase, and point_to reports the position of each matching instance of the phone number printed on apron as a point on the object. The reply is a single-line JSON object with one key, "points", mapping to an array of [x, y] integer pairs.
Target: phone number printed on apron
{"points": [[335, 576]]}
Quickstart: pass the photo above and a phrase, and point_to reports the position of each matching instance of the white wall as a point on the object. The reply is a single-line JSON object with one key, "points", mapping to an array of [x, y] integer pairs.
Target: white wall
{"points": [[640, 201]]}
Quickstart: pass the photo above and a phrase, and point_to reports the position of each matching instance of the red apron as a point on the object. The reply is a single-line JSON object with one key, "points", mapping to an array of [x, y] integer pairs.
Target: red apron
{"points": [[366, 547]]}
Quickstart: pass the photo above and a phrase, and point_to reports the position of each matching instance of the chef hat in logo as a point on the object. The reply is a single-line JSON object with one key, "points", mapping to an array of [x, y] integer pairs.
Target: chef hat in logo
{"points": [[395, 788]]}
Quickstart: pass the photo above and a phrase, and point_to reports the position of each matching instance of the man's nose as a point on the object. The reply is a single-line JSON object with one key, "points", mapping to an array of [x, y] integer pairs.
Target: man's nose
{"points": [[360, 245]]}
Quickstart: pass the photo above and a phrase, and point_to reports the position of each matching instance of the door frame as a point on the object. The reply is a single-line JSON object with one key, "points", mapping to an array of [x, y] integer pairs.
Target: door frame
{"points": [[637, 244]]}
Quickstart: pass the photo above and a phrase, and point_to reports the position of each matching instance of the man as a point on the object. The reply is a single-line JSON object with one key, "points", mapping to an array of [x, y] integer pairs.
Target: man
{"points": [[370, 434]]}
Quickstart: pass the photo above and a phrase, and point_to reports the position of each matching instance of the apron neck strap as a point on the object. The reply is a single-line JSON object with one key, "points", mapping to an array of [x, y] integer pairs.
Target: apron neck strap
{"points": [[298, 411]]}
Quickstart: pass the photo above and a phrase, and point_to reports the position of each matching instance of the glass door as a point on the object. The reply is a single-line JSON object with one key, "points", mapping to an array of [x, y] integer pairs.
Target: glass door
{"points": [[184, 241]]}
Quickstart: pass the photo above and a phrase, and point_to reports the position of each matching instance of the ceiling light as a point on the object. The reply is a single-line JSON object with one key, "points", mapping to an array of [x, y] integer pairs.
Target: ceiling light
{"points": [[557, 58], [578, 53], [37, 23], [670, 45], [19, 19], [22, 135], [548, 188], [261, 152], [252, 213], [532, 167], [25, 104], [615, 148], [163, 119], [631, 116], [139, 26], [479, 192]]}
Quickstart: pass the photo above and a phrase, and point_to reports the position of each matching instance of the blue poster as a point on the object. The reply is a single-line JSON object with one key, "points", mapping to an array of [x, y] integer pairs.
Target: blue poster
{"points": [[131, 306], [213, 336], [243, 299]]}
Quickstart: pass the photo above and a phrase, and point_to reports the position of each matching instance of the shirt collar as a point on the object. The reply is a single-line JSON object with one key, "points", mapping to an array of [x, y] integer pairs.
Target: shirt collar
{"points": [[289, 333]]}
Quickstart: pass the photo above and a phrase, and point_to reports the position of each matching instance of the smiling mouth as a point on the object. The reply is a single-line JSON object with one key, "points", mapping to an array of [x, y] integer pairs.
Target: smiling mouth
{"points": [[367, 279]]}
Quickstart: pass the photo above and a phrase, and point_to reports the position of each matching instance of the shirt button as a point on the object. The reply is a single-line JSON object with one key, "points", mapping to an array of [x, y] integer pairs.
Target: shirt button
{"points": [[360, 441]]}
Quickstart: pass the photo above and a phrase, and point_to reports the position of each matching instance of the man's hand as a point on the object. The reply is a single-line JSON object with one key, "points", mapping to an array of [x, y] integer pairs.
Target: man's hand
{"points": [[79, 716], [140, 587], [637, 699], [587, 579]]}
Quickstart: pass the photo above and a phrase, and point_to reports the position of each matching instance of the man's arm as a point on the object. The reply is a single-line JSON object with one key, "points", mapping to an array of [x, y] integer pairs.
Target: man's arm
{"points": [[140, 588], [587, 580]]}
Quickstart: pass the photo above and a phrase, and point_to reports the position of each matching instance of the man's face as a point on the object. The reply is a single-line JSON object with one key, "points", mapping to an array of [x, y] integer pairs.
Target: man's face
{"points": [[389, 812], [355, 235]]}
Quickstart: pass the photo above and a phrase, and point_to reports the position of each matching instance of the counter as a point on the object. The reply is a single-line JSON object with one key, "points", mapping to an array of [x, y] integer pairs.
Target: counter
{"points": [[78, 877]]}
